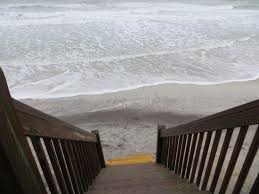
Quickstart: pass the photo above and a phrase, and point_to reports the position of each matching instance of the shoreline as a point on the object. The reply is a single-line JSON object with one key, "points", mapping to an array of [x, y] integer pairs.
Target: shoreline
{"points": [[128, 120], [256, 78]]}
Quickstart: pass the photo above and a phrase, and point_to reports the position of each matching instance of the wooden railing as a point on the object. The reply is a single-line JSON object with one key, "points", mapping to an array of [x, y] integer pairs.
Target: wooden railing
{"points": [[192, 150], [40, 154]]}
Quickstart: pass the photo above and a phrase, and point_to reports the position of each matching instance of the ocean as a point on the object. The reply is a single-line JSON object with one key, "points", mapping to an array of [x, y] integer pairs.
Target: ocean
{"points": [[51, 49]]}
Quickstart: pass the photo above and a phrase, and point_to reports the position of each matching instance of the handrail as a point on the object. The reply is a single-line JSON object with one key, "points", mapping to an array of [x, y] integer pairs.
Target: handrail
{"points": [[185, 148], [246, 114], [37, 123], [39, 152]]}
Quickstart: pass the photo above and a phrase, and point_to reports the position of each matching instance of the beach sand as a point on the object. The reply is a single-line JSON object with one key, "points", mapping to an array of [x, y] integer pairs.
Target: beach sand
{"points": [[128, 120]]}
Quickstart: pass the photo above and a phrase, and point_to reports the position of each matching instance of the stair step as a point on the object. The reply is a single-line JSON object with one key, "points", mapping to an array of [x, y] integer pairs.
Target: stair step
{"points": [[148, 178]]}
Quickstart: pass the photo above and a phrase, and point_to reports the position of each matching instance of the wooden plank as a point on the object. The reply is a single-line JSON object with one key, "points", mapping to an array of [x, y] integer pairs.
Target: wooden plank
{"points": [[45, 166], [233, 159], [97, 162], [181, 155], [211, 159], [203, 157], [15, 146], [75, 165], [147, 178], [8, 181], [56, 165], [83, 163], [88, 149], [255, 187], [37, 123], [79, 161], [186, 155], [162, 150], [63, 165], [243, 115], [159, 144], [87, 164], [70, 167], [178, 154], [221, 159], [190, 161], [247, 163], [196, 158], [166, 151], [176, 139], [170, 155], [99, 148]]}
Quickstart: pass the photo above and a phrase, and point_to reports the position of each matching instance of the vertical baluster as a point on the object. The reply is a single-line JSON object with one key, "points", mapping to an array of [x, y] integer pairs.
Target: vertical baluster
{"points": [[166, 151], [211, 159], [159, 145], [182, 154], [95, 159], [221, 159], [99, 149], [70, 166], [255, 187], [247, 163], [189, 137], [95, 152], [196, 158], [56, 165], [189, 165], [63, 165], [86, 164], [203, 158], [15, 147], [178, 154], [44, 164], [233, 159], [89, 150], [79, 157], [77, 165], [175, 152], [162, 150], [170, 152]]}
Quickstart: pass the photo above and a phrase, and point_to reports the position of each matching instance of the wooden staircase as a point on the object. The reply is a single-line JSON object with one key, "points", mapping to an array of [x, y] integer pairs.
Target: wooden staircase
{"points": [[40, 154]]}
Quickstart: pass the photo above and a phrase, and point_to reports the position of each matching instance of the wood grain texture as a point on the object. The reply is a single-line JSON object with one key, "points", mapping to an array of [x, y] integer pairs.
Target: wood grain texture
{"points": [[37, 123], [15, 146], [243, 115]]}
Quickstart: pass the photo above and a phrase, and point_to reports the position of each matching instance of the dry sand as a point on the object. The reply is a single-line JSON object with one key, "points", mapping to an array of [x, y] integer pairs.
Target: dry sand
{"points": [[128, 120]]}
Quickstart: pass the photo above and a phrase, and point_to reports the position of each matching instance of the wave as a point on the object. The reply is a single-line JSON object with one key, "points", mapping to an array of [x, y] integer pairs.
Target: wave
{"points": [[50, 95]]}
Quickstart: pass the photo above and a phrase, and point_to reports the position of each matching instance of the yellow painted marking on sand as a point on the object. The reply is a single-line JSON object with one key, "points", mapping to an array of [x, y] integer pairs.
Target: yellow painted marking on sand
{"points": [[132, 159]]}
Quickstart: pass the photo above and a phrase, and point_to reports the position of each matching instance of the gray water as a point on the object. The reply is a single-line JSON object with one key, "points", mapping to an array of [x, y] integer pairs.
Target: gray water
{"points": [[64, 48]]}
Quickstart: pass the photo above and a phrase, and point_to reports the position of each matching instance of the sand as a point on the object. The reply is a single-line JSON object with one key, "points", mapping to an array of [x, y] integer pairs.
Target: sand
{"points": [[128, 120]]}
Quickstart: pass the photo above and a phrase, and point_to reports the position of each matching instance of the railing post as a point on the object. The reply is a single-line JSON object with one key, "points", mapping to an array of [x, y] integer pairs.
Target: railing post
{"points": [[159, 143], [15, 151], [99, 148]]}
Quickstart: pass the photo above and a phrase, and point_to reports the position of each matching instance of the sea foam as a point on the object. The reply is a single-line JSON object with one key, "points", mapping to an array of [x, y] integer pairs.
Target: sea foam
{"points": [[51, 50]]}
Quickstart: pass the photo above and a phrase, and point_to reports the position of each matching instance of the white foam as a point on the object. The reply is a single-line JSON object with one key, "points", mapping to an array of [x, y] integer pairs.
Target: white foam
{"points": [[57, 50]]}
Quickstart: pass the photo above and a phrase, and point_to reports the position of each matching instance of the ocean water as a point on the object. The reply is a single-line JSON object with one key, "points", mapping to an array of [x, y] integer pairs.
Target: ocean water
{"points": [[58, 48]]}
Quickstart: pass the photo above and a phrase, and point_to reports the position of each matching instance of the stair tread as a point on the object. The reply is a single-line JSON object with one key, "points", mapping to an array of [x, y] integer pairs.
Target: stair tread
{"points": [[147, 178]]}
